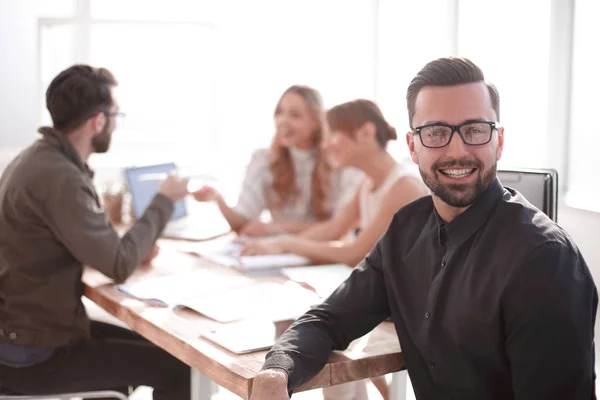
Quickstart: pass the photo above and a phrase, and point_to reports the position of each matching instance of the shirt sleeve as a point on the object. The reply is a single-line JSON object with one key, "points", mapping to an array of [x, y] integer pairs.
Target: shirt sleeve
{"points": [[549, 310], [253, 195], [355, 308], [78, 222]]}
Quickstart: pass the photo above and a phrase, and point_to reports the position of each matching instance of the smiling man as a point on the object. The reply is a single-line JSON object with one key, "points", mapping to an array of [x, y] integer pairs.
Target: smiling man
{"points": [[490, 298]]}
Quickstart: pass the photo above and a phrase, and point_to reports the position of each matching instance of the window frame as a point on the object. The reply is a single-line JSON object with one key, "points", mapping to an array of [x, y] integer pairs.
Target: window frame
{"points": [[82, 23]]}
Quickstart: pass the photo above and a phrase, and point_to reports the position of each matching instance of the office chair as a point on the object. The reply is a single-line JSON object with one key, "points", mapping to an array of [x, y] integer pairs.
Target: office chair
{"points": [[104, 394], [539, 186]]}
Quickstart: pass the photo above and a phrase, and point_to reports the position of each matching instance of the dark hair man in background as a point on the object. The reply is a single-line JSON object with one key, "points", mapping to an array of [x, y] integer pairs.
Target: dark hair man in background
{"points": [[52, 224]]}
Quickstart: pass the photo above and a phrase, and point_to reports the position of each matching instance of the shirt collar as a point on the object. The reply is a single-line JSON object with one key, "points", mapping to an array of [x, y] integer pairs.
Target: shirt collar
{"points": [[60, 141], [466, 224]]}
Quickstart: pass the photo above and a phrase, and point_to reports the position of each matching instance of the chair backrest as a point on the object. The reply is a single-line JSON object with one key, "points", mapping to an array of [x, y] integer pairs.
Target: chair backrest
{"points": [[539, 186], [101, 394]]}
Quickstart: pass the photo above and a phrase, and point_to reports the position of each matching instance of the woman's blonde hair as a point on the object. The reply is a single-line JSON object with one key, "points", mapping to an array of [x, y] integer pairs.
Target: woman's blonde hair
{"points": [[284, 187]]}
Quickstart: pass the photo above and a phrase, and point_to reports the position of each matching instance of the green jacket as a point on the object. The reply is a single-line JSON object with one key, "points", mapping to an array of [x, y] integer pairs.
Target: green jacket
{"points": [[51, 225]]}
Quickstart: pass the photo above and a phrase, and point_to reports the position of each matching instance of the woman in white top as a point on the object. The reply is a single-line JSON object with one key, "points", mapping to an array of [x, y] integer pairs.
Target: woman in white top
{"points": [[357, 137], [291, 179]]}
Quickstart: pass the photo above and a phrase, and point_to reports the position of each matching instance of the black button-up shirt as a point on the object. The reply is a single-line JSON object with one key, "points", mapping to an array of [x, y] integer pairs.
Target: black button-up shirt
{"points": [[497, 304]]}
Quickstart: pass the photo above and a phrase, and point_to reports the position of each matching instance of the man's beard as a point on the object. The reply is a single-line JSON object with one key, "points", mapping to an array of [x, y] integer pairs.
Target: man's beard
{"points": [[459, 195], [101, 142]]}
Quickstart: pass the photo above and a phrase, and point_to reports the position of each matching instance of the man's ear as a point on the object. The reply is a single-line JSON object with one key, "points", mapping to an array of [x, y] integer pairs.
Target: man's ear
{"points": [[98, 122], [500, 143], [410, 142]]}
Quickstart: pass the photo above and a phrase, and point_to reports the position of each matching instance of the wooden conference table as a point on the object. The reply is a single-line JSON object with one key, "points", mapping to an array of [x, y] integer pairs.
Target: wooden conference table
{"points": [[178, 331]]}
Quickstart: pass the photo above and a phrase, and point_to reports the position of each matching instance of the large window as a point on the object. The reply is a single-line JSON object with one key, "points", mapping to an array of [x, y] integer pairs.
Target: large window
{"points": [[583, 181], [514, 58], [413, 33], [165, 65], [410, 34], [266, 46], [525, 48], [199, 80]]}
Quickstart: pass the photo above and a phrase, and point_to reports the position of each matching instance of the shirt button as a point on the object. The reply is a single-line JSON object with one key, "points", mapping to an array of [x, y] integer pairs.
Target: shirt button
{"points": [[432, 366], [443, 263], [12, 336], [427, 315]]}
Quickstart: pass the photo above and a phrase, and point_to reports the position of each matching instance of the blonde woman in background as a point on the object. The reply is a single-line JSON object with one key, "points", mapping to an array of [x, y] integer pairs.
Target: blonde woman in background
{"points": [[291, 179]]}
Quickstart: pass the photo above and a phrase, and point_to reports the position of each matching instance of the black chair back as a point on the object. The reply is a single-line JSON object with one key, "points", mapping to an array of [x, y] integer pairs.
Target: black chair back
{"points": [[539, 186]]}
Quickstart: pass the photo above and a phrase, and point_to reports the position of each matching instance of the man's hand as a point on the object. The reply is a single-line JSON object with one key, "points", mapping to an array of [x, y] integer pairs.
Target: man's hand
{"points": [[206, 193], [152, 255], [173, 187], [270, 384], [262, 247]]}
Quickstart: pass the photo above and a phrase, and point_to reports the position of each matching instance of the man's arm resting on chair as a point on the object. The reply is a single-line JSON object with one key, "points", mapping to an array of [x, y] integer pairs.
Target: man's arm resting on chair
{"points": [[354, 309]]}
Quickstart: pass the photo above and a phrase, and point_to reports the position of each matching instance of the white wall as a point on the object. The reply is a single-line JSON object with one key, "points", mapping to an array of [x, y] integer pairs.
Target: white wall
{"points": [[19, 97], [583, 227]]}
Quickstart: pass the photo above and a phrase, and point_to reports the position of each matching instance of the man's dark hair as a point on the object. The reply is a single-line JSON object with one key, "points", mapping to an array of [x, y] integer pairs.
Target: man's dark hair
{"points": [[448, 71], [77, 94]]}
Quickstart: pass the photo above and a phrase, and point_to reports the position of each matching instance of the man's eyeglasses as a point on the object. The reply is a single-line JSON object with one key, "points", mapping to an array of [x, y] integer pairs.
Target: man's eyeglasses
{"points": [[472, 133]]}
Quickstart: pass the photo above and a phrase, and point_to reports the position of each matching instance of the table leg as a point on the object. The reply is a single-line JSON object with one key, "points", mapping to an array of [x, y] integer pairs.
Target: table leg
{"points": [[202, 387], [398, 385]]}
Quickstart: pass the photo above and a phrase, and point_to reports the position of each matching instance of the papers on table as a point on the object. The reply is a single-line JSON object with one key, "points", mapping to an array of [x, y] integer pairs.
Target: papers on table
{"points": [[225, 295], [224, 298], [266, 300], [227, 253], [324, 279], [244, 336], [170, 290]]}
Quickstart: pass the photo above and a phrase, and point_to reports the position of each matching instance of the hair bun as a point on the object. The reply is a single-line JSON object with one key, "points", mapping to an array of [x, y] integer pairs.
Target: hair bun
{"points": [[392, 135]]}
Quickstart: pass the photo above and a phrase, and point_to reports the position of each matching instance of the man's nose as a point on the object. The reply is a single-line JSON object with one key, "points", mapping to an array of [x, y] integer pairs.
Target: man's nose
{"points": [[457, 148]]}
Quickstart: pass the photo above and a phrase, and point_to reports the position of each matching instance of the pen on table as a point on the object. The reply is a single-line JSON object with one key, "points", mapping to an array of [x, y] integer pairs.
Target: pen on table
{"points": [[154, 302]]}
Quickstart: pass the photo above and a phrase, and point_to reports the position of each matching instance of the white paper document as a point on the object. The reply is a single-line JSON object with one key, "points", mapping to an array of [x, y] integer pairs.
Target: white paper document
{"points": [[266, 300], [170, 290], [323, 278], [227, 253], [224, 298]]}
